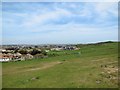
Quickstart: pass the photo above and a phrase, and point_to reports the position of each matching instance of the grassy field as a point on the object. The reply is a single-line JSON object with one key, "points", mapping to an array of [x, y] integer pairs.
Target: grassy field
{"points": [[93, 66]]}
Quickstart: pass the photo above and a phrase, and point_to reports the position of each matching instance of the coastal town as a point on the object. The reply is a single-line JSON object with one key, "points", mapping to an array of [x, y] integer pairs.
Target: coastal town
{"points": [[28, 52]]}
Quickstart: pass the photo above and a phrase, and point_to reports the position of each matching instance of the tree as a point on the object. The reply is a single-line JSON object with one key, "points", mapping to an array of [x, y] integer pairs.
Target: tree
{"points": [[23, 51], [35, 51]]}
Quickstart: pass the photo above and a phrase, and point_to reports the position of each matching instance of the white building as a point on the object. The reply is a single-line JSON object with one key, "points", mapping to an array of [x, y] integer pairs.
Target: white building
{"points": [[57, 49], [4, 59]]}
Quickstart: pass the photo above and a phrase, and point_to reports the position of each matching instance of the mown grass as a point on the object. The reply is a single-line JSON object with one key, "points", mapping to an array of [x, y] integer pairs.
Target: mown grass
{"points": [[74, 70]]}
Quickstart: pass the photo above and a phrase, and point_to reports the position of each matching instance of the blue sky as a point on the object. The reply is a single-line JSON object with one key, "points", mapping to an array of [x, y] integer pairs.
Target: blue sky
{"points": [[59, 22]]}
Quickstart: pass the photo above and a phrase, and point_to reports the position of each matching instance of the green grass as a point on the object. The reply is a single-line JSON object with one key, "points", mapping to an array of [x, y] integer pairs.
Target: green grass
{"points": [[74, 70]]}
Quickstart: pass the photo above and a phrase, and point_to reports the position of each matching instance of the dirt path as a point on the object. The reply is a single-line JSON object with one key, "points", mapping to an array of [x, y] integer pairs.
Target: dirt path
{"points": [[45, 66], [100, 59]]}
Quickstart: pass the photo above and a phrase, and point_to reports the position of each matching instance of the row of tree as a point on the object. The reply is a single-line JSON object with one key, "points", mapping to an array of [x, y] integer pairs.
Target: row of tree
{"points": [[33, 52]]}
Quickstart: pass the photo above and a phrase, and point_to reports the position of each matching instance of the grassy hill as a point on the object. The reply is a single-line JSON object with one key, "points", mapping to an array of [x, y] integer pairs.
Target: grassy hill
{"points": [[93, 66]]}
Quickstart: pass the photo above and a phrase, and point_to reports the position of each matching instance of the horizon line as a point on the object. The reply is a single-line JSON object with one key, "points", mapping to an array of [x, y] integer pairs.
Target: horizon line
{"points": [[64, 43]]}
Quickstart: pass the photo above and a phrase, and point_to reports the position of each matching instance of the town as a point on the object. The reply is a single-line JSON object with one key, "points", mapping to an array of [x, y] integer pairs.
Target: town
{"points": [[27, 52]]}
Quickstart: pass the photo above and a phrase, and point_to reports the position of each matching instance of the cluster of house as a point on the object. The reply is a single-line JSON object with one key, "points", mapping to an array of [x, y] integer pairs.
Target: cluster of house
{"points": [[8, 53], [65, 48], [14, 57]]}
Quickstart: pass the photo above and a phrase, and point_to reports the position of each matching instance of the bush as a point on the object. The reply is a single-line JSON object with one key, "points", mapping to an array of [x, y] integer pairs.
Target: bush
{"points": [[44, 53]]}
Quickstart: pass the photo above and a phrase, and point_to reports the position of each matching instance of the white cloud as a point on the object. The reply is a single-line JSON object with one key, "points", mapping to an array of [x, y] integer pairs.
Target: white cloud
{"points": [[60, 1], [103, 9], [42, 18], [43, 32]]}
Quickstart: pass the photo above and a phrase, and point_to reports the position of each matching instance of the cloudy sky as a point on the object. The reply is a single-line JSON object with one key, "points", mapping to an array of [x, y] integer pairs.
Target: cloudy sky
{"points": [[59, 22]]}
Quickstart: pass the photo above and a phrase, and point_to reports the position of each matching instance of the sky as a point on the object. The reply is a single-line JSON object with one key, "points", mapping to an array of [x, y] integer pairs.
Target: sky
{"points": [[59, 22]]}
